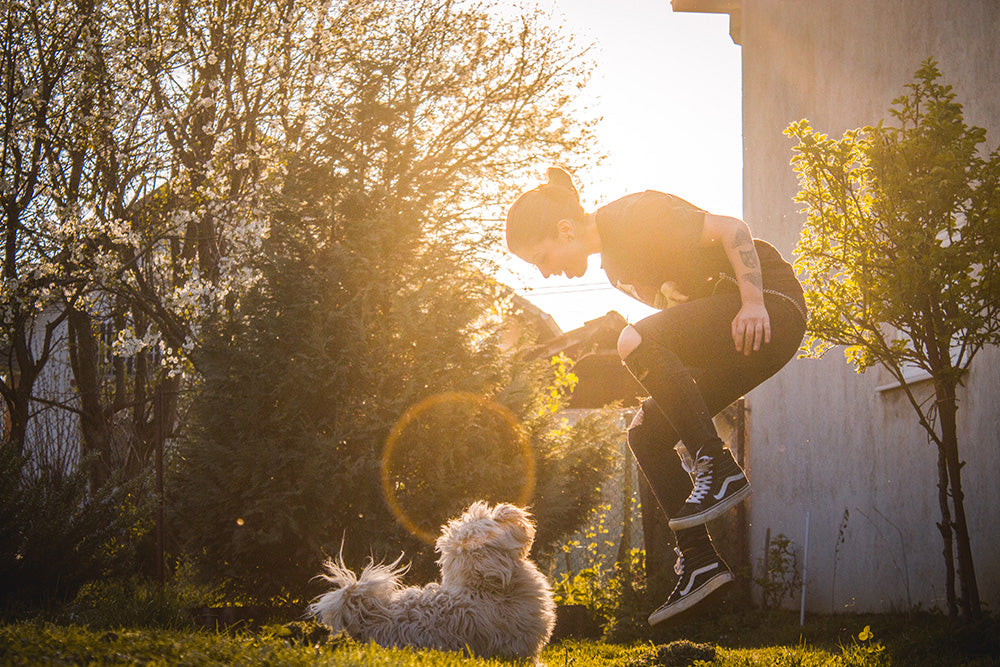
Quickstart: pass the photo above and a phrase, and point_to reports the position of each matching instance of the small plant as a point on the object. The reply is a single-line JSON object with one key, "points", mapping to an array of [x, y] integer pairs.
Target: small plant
{"points": [[896, 210], [841, 538], [864, 652], [588, 587], [780, 574], [612, 595]]}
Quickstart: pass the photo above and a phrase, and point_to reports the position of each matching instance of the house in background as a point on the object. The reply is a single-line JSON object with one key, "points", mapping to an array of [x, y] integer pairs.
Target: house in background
{"points": [[52, 434], [823, 440]]}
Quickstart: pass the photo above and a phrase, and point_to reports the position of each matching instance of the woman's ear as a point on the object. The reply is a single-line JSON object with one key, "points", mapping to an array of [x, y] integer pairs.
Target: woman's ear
{"points": [[566, 229]]}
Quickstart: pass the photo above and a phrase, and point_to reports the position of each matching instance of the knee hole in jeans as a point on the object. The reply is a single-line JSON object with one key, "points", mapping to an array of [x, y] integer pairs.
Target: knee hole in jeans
{"points": [[628, 340]]}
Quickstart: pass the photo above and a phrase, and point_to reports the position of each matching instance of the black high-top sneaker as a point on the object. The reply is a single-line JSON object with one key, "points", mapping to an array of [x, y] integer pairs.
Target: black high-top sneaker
{"points": [[700, 573], [719, 485]]}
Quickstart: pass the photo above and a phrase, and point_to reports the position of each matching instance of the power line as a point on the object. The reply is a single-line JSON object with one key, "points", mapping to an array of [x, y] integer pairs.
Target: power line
{"points": [[572, 286], [569, 289]]}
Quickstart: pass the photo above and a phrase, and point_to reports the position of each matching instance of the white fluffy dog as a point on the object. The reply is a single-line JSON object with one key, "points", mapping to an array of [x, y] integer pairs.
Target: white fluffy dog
{"points": [[492, 600]]}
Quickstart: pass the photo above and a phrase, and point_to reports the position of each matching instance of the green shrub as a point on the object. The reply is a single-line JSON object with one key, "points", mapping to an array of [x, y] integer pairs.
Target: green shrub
{"points": [[781, 576], [612, 594], [864, 651], [138, 602], [281, 460], [56, 534]]}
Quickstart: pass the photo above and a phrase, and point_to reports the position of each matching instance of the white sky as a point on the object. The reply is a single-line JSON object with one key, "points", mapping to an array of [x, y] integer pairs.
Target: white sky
{"points": [[668, 86]]}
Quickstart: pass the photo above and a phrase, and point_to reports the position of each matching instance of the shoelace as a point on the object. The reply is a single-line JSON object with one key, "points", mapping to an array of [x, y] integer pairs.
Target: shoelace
{"points": [[701, 468], [679, 565]]}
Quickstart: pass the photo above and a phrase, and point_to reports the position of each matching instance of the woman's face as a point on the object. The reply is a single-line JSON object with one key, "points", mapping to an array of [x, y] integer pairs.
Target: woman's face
{"points": [[561, 254]]}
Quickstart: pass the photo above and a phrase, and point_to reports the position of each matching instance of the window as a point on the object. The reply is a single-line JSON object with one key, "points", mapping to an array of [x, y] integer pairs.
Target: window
{"points": [[911, 372]]}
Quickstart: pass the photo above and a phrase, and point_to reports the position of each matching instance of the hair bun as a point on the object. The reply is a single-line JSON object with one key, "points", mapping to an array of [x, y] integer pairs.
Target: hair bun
{"points": [[561, 178]]}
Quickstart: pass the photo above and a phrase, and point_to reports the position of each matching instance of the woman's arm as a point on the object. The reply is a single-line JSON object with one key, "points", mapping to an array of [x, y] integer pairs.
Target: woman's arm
{"points": [[752, 326]]}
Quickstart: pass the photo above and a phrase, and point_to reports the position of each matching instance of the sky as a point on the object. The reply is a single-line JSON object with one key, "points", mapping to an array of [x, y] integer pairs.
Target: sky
{"points": [[668, 87]]}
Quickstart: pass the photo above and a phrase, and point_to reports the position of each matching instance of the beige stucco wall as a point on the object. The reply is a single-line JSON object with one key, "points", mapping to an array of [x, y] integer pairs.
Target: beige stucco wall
{"points": [[822, 439]]}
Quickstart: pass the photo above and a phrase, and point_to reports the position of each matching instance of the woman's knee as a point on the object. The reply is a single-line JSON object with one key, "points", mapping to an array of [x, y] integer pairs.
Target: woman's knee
{"points": [[628, 340], [641, 433]]}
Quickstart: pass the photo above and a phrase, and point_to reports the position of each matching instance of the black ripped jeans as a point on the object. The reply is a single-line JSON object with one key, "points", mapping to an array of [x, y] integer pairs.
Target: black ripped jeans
{"points": [[694, 339]]}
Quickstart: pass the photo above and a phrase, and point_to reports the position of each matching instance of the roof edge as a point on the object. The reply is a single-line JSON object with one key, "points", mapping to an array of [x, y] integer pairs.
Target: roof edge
{"points": [[732, 7]]}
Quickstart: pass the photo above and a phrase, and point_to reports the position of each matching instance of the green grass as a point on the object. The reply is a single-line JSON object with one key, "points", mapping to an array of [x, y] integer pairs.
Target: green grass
{"points": [[765, 640], [30, 644]]}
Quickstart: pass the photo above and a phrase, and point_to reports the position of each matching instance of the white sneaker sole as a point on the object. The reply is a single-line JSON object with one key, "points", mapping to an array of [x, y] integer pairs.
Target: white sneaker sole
{"points": [[691, 599], [712, 512]]}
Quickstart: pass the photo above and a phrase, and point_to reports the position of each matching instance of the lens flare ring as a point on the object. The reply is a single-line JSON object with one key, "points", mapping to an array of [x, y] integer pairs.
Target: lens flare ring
{"points": [[414, 412]]}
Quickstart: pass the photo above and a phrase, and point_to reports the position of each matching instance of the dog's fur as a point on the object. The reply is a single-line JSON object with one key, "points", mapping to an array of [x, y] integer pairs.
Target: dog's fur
{"points": [[492, 600]]}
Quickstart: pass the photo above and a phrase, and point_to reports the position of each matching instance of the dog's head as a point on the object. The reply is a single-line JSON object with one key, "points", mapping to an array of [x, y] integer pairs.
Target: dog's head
{"points": [[481, 548]]}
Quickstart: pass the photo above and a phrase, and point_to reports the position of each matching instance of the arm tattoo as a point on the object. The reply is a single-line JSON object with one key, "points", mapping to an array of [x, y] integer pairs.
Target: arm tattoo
{"points": [[741, 237], [749, 258], [741, 243]]}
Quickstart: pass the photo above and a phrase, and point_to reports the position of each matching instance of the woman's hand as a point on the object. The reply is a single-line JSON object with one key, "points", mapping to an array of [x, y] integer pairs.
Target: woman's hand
{"points": [[751, 328]]}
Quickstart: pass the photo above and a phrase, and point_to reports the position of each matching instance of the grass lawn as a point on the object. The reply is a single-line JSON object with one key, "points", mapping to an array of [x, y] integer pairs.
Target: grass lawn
{"points": [[773, 639]]}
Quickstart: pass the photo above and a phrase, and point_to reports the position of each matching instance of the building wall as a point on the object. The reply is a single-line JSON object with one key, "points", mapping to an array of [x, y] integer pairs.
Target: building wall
{"points": [[823, 440], [52, 437]]}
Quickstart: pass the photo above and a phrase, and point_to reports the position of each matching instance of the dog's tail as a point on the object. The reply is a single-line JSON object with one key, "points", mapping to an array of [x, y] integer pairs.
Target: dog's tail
{"points": [[355, 599]]}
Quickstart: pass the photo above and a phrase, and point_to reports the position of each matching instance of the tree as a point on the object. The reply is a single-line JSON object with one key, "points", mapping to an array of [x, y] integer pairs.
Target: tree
{"points": [[901, 257], [61, 527], [179, 176], [136, 159], [44, 64], [373, 296]]}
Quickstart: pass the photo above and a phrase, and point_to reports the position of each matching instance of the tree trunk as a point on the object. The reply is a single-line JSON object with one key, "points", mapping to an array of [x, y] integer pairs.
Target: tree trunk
{"points": [[21, 385], [19, 416], [947, 411], [946, 534], [83, 353]]}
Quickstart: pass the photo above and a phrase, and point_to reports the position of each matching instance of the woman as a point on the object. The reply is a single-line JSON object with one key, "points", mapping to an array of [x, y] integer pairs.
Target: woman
{"points": [[731, 315]]}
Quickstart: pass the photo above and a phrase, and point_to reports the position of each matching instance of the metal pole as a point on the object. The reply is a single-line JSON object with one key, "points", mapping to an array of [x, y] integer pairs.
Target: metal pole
{"points": [[159, 416], [805, 560], [742, 529]]}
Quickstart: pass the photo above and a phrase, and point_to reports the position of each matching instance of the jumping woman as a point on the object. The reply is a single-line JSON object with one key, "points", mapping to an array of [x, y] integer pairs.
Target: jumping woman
{"points": [[731, 314]]}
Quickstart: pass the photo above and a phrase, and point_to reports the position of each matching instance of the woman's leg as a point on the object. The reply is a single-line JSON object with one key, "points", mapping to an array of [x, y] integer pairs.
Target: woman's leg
{"points": [[652, 440], [687, 362], [685, 358]]}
